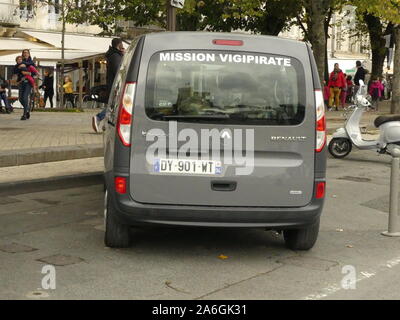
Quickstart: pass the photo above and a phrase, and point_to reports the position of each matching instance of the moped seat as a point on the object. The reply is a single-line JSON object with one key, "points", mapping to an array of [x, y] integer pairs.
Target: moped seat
{"points": [[383, 119]]}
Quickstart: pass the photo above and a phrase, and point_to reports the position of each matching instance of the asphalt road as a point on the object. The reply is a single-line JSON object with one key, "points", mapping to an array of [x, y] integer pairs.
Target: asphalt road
{"points": [[63, 226]]}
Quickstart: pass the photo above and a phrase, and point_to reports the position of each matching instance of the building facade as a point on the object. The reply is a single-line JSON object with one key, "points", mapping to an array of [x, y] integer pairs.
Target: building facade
{"points": [[21, 14]]}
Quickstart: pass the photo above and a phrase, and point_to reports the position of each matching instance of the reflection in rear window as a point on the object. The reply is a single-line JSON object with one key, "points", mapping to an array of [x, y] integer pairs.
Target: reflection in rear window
{"points": [[230, 87]]}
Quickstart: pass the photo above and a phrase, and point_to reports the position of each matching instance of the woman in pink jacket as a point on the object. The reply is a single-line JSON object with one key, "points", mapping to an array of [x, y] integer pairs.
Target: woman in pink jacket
{"points": [[375, 90]]}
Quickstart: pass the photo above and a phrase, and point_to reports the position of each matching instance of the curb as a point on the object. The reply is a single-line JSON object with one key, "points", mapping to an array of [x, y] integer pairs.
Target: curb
{"points": [[57, 182], [19, 157]]}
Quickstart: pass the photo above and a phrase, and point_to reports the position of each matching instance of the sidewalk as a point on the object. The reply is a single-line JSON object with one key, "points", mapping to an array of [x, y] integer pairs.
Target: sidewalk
{"points": [[335, 119], [59, 136], [47, 136]]}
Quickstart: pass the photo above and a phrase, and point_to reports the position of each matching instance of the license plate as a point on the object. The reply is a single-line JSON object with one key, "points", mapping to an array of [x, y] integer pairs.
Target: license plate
{"points": [[187, 166]]}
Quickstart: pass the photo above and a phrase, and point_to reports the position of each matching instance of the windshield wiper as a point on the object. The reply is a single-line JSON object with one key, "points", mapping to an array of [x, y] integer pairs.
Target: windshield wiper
{"points": [[196, 117]]}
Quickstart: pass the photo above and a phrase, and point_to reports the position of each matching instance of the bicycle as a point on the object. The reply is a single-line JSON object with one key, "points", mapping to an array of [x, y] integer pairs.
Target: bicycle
{"points": [[34, 100]]}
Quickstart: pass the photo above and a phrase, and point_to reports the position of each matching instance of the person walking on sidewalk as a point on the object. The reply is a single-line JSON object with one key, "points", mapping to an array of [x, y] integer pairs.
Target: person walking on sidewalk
{"points": [[360, 75], [48, 87], [336, 84], [69, 91], [3, 95], [24, 86], [375, 90], [114, 58]]}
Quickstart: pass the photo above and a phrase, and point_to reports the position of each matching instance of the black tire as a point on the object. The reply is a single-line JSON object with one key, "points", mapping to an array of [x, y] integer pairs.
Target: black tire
{"points": [[340, 147], [302, 239], [117, 235]]}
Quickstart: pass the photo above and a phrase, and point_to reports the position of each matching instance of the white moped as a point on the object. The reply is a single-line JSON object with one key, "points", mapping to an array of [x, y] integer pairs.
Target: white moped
{"points": [[344, 138]]}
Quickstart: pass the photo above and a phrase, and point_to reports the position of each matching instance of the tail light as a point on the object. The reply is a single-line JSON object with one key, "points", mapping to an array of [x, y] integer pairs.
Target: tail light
{"points": [[320, 137], [320, 190], [125, 115], [120, 185], [222, 42]]}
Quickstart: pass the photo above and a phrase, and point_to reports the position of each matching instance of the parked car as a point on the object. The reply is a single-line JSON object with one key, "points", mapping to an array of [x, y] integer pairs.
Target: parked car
{"points": [[259, 100]]}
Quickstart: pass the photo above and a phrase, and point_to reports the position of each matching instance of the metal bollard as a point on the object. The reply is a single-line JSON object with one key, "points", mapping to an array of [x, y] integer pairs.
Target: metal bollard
{"points": [[394, 216]]}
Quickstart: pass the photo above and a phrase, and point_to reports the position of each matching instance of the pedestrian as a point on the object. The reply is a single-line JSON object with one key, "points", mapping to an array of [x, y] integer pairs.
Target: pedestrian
{"points": [[68, 91], [375, 90], [21, 66], [48, 87], [24, 86], [350, 86], [3, 96], [114, 58], [360, 75], [336, 83]]}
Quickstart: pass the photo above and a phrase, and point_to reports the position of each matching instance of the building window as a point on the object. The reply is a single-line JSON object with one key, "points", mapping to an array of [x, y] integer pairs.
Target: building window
{"points": [[25, 5], [25, 9], [339, 39]]}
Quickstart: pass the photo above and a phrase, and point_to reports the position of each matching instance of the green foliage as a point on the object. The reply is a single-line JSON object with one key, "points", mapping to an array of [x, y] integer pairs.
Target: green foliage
{"points": [[259, 16], [388, 10]]}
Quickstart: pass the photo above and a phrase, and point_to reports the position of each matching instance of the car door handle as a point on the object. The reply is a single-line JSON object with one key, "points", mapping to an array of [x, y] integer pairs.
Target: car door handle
{"points": [[223, 185], [110, 123]]}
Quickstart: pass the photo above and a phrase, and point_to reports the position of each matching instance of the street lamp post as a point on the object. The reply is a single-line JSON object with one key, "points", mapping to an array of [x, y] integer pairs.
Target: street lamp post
{"points": [[171, 16]]}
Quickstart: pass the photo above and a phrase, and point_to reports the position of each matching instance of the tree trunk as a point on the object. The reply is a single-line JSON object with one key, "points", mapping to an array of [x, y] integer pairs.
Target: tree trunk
{"points": [[376, 33], [326, 27], [395, 106], [316, 32]]}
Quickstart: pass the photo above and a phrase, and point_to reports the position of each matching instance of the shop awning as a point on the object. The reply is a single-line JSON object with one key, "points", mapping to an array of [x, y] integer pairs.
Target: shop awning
{"points": [[18, 44], [53, 56], [72, 41]]}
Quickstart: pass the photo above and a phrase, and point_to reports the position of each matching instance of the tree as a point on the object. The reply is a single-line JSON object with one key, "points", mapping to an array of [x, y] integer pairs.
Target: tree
{"points": [[258, 16], [306, 20], [316, 13], [377, 28], [388, 10]]}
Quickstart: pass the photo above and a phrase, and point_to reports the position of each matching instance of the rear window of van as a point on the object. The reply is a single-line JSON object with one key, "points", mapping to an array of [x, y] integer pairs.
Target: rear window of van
{"points": [[224, 86]]}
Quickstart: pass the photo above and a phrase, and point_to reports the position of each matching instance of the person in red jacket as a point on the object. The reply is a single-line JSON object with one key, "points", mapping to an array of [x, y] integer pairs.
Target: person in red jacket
{"points": [[336, 84], [375, 90]]}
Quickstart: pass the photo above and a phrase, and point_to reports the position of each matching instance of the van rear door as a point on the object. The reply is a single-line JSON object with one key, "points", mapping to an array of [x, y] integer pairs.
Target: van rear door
{"points": [[224, 128]]}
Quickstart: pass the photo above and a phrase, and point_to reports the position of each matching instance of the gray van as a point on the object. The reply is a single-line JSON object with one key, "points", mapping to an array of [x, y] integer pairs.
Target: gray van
{"points": [[216, 130]]}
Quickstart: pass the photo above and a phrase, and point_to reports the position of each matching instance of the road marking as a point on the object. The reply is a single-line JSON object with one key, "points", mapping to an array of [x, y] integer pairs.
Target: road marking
{"points": [[333, 288]]}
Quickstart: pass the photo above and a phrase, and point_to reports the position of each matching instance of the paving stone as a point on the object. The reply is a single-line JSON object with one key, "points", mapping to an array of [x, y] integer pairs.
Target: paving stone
{"points": [[16, 248], [60, 260]]}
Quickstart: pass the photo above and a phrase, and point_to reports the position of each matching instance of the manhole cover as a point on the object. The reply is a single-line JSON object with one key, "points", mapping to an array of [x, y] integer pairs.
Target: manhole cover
{"points": [[355, 179], [15, 248], [60, 260]]}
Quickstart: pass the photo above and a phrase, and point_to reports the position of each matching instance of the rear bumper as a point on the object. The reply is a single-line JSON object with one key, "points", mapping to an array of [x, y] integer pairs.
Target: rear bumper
{"points": [[134, 213]]}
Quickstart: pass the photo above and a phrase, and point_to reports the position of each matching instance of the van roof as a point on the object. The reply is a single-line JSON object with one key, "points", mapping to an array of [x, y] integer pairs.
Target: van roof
{"points": [[184, 40], [228, 35]]}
